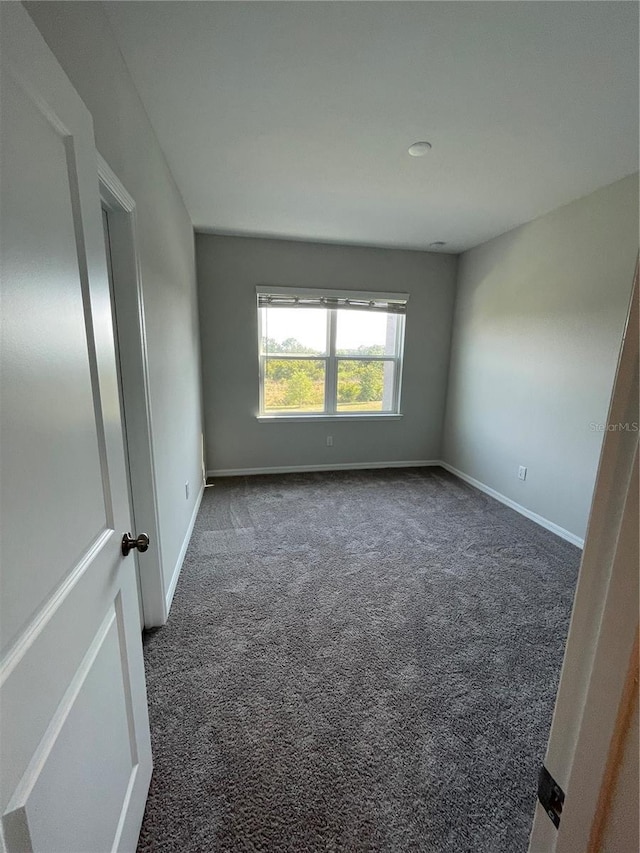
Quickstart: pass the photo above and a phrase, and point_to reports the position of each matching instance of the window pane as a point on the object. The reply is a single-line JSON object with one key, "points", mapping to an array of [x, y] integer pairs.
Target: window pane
{"points": [[293, 385], [366, 333], [301, 331], [365, 386]]}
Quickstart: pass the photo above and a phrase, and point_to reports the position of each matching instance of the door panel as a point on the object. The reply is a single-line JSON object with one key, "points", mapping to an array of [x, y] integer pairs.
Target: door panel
{"points": [[74, 731], [49, 387], [56, 784]]}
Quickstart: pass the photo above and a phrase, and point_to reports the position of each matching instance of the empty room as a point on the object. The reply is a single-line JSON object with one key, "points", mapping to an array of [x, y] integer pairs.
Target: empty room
{"points": [[319, 426]]}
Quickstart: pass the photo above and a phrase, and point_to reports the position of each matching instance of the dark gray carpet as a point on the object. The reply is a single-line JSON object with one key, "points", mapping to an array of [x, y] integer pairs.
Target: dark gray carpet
{"points": [[355, 661]]}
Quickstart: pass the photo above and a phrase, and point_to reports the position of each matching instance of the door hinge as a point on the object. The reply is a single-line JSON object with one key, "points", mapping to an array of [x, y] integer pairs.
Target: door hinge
{"points": [[551, 795]]}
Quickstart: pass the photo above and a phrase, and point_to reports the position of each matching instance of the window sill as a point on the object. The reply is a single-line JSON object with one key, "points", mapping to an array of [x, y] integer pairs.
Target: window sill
{"points": [[281, 419]]}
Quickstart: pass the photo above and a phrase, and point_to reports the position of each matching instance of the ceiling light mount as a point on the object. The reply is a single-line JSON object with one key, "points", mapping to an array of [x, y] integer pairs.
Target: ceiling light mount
{"points": [[437, 244], [419, 149]]}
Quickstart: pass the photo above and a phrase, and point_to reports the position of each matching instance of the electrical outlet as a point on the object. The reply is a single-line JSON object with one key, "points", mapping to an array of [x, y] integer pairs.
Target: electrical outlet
{"points": [[329, 441], [522, 473], [186, 490]]}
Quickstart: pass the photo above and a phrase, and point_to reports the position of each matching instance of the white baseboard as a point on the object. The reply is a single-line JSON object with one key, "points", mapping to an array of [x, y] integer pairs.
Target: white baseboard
{"points": [[539, 519], [176, 572], [413, 463], [301, 469]]}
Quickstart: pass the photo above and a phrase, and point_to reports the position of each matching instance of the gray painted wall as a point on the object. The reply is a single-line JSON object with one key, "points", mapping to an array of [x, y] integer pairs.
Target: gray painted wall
{"points": [[539, 317], [80, 37], [229, 268]]}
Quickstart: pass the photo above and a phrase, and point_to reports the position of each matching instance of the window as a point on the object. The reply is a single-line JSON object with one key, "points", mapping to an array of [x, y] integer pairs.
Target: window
{"points": [[324, 353]]}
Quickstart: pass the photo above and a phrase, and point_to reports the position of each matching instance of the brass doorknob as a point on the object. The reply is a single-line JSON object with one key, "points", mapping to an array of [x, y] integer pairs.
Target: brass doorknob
{"points": [[129, 543]]}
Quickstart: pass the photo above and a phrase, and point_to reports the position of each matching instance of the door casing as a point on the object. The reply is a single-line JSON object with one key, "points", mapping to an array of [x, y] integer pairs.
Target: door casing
{"points": [[129, 314]]}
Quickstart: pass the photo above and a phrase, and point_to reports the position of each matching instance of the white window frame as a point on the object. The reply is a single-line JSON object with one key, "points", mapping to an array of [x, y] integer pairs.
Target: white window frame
{"points": [[331, 359]]}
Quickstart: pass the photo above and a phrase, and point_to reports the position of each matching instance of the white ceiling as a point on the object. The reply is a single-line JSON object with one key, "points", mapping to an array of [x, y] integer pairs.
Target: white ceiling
{"points": [[293, 119]]}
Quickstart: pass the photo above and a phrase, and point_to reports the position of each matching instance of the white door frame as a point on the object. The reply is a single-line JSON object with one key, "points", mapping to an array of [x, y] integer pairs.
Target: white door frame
{"points": [[604, 621], [129, 317]]}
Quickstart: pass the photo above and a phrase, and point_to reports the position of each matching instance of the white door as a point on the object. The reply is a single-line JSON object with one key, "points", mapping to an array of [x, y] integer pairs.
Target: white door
{"points": [[74, 732]]}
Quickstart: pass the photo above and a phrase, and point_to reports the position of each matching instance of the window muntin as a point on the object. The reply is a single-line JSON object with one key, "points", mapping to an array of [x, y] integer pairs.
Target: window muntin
{"points": [[332, 355]]}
